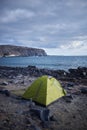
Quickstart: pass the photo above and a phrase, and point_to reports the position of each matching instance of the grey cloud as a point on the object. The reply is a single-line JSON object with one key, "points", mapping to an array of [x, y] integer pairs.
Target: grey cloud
{"points": [[43, 23], [15, 15]]}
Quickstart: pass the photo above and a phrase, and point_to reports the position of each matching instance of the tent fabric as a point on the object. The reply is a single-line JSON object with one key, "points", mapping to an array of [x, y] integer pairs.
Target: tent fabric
{"points": [[44, 90]]}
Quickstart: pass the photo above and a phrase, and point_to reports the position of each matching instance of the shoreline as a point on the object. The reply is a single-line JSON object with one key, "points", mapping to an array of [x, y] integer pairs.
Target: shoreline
{"points": [[45, 62], [76, 75]]}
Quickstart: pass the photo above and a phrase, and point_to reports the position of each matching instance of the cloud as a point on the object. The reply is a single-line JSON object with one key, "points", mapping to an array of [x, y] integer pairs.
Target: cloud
{"points": [[56, 25], [76, 48], [50, 27], [15, 15], [73, 45], [70, 48]]}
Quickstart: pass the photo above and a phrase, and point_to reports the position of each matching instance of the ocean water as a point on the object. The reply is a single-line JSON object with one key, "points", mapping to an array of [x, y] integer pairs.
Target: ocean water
{"points": [[49, 62]]}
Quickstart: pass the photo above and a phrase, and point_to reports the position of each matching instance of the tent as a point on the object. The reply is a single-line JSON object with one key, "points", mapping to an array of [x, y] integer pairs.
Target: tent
{"points": [[44, 90]]}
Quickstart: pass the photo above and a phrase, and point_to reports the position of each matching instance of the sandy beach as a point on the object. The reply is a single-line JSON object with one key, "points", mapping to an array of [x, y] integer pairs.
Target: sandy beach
{"points": [[67, 113]]}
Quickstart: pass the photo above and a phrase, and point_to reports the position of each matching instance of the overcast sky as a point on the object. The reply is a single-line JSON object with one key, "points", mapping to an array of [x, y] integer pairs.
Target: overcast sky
{"points": [[58, 26]]}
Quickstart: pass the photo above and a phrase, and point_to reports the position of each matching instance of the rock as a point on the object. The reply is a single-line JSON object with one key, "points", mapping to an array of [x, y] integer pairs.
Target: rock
{"points": [[28, 120], [43, 114], [6, 92], [70, 84], [52, 118], [32, 67], [83, 90], [19, 76], [4, 83], [31, 104], [22, 82], [79, 72], [46, 124], [65, 73], [35, 127], [84, 73], [19, 112], [68, 98], [1, 90], [16, 81], [17, 73], [74, 116]]}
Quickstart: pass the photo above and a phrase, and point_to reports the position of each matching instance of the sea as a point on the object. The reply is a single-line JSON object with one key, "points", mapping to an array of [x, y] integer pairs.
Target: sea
{"points": [[48, 62]]}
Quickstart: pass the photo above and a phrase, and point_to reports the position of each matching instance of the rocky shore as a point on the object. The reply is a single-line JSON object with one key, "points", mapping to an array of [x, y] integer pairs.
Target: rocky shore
{"points": [[78, 75], [68, 113]]}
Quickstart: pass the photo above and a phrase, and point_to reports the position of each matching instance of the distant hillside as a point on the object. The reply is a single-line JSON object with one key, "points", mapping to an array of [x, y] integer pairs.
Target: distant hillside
{"points": [[9, 50]]}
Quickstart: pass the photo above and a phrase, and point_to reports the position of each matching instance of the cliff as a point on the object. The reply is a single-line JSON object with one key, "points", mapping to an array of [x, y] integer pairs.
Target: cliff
{"points": [[9, 50]]}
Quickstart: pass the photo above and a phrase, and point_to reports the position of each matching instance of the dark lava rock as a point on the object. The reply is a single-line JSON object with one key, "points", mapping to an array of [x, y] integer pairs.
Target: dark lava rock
{"points": [[79, 72], [52, 118], [70, 84], [43, 114], [73, 75], [84, 90], [34, 127], [46, 124], [6, 92], [68, 98]]}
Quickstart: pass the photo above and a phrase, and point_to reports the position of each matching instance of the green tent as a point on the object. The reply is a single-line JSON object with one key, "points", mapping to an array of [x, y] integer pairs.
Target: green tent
{"points": [[44, 90]]}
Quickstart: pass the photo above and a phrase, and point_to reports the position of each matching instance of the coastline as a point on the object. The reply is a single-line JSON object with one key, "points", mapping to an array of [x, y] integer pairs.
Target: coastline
{"points": [[76, 75], [67, 113], [47, 62]]}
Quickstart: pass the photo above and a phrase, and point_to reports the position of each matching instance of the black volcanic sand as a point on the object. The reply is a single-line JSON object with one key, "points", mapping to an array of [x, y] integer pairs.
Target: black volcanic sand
{"points": [[67, 113]]}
